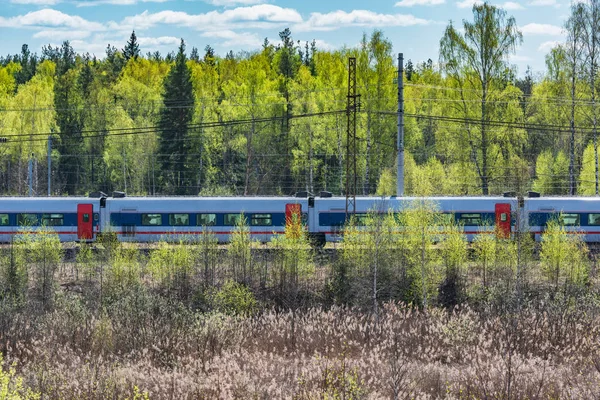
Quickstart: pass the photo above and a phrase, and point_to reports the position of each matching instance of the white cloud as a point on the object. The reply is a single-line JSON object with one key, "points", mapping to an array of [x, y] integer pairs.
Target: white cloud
{"points": [[511, 5], [49, 18], [547, 46], [468, 3], [245, 40], [544, 3], [263, 15], [92, 3], [411, 3], [337, 19], [541, 29], [231, 3], [36, 2], [159, 41], [62, 34], [94, 47], [323, 45]]}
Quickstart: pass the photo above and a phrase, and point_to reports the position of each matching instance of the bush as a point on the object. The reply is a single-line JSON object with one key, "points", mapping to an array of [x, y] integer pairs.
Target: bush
{"points": [[235, 299]]}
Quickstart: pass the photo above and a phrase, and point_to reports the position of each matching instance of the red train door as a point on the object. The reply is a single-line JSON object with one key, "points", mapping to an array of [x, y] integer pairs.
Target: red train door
{"points": [[293, 220], [84, 221], [503, 220]]}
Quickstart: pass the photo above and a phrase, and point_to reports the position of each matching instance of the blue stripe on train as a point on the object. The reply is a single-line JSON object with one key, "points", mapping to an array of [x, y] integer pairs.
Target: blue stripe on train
{"points": [[339, 218], [120, 219]]}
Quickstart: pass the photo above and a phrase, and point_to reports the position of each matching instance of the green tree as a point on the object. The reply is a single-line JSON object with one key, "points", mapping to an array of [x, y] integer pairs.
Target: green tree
{"points": [[552, 173], [132, 48], [240, 251], [176, 114], [479, 54], [420, 232], [454, 254], [69, 118], [563, 256]]}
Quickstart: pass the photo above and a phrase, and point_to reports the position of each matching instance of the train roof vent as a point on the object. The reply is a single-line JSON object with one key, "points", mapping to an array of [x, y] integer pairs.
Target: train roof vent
{"points": [[97, 195], [303, 194], [325, 194], [119, 195], [510, 194], [533, 194]]}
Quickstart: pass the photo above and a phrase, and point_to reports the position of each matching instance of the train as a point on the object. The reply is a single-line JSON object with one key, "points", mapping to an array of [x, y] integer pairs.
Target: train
{"points": [[150, 219]]}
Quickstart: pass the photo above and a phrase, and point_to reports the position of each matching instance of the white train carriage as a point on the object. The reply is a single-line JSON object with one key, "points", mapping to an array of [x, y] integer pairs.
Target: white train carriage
{"points": [[475, 214], [73, 218], [141, 219], [580, 215]]}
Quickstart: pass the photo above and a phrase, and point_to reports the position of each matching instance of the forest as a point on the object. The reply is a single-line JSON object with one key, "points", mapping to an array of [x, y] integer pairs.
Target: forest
{"points": [[273, 121]]}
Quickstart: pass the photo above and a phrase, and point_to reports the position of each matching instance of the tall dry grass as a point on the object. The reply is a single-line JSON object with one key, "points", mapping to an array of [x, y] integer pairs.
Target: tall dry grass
{"points": [[546, 350]]}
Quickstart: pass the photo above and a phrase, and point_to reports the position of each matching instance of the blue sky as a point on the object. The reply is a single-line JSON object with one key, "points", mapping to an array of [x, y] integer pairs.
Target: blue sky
{"points": [[413, 26]]}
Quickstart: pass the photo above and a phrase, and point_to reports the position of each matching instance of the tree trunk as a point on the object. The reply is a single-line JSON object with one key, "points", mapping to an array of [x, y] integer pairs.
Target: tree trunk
{"points": [[367, 156], [310, 163], [572, 126], [249, 156], [484, 142]]}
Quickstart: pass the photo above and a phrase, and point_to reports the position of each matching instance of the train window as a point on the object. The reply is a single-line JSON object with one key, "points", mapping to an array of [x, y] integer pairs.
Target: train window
{"points": [[206, 219], [4, 219], [470, 219], [231, 219], [151, 219], [26, 219], [593, 219], [261, 220], [179, 219], [569, 219], [53, 219]]}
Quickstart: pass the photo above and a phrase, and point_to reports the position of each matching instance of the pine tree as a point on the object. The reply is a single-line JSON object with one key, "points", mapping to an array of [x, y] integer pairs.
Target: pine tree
{"points": [[209, 55], [132, 48], [194, 56], [410, 70], [28, 63], [177, 112]]}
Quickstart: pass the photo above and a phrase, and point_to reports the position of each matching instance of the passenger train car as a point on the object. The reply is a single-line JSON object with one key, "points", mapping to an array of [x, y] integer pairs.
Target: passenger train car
{"points": [[147, 219]]}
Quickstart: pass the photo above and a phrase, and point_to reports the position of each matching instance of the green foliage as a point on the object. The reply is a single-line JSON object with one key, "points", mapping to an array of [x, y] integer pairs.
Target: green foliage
{"points": [[240, 252], [420, 232], [563, 256], [587, 177], [293, 263], [552, 172], [74, 95], [132, 48], [176, 114], [387, 183], [235, 299], [44, 253], [172, 265], [85, 261], [475, 58], [124, 271], [484, 247], [454, 254], [11, 385]]}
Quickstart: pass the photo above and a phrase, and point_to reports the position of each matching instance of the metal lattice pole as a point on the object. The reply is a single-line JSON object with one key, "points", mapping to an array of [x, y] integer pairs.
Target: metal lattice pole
{"points": [[351, 173]]}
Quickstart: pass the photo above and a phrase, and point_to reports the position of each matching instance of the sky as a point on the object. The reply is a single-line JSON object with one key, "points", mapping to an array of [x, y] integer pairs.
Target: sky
{"points": [[414, 27]]}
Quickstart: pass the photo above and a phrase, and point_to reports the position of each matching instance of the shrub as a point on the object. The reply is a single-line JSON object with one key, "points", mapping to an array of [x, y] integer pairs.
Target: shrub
{"points": [[235, 299]]}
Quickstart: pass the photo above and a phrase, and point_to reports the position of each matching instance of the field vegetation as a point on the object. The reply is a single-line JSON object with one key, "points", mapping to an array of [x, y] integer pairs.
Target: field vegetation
{"points": [[402, 309]]}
